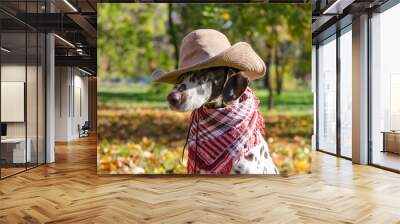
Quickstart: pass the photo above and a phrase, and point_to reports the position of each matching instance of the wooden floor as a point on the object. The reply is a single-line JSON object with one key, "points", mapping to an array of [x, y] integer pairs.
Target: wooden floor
{"points": [[387, 159], [10, 171], [69, 191]]}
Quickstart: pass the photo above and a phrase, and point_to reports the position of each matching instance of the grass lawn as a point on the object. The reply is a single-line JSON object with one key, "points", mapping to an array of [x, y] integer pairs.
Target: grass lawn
{"points": [[130, 95], [290, 101]]}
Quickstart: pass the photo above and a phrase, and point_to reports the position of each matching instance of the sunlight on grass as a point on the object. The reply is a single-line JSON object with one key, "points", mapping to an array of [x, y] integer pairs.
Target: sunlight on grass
{"points": [[292, 102]]}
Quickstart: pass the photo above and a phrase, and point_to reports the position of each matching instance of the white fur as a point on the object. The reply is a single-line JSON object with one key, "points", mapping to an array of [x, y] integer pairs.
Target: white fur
{"points": [[259, 165], [193, 99]]}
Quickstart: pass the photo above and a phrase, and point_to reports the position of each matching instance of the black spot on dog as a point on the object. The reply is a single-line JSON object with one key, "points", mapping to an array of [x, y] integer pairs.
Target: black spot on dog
{"points": [[265, 155], [276, 171], [200, 91], [261, 150], [249, 157], [217, 83]]}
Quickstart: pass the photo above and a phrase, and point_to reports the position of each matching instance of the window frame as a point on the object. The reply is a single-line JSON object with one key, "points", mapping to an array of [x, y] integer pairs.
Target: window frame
{"points": [[378, 10], [341, 29], [26, 30]]}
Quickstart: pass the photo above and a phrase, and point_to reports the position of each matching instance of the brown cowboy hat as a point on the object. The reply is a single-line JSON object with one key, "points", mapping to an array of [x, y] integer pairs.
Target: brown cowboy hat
{"points": [[207, 48]]}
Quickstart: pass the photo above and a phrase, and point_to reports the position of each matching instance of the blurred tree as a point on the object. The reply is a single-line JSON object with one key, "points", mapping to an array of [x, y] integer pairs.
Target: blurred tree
{"points": [[135, 39], [173, 33], [131, 39]]}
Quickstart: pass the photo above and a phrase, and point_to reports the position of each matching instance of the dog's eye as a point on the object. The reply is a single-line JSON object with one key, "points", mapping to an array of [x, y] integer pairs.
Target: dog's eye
{"points": [[182, 87], [184, 76], [181, 78]]}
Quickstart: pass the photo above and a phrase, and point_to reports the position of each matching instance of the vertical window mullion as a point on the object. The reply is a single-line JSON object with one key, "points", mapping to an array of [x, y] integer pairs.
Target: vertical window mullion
{"points": [[317, 96], [369, 100], [338, 78], [0, 91], [46, 3], [26, 86], [37, 90]]}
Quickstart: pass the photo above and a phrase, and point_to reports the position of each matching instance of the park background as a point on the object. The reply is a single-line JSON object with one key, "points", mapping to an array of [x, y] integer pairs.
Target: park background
{"points": [[138, 133]]}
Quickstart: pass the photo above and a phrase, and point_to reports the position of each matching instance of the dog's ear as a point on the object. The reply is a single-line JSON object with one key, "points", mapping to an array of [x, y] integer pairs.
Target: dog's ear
{"points": [[235, 86]]}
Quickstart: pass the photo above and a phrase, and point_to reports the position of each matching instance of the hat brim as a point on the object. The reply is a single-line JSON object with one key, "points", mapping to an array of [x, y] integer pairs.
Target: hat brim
{"points": [[240, 56]]}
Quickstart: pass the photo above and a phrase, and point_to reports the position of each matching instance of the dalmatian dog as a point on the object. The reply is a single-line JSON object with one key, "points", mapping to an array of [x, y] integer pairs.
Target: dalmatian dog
{"points": [[215, 88]]}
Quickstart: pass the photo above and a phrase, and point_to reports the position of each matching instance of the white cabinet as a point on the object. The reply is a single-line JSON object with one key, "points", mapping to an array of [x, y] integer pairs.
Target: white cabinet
{"points": [[17, 148]]}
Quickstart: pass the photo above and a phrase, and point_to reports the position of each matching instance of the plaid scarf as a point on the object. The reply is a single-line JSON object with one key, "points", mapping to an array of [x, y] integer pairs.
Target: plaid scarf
{"points": [[217, 136]]}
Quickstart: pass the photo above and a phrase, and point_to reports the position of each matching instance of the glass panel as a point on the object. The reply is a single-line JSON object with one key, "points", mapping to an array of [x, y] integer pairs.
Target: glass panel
{"points": [[327, 96], [385, 84], [23, 89], [32, 88], [346, 93], [41, 99], [13, 86], [31, 97]]}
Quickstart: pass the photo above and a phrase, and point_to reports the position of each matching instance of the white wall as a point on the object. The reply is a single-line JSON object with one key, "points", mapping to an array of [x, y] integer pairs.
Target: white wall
{"points": [[71, 102], [14, 73], [80, 109], [11, 73], [62, 81], [33, 126]]}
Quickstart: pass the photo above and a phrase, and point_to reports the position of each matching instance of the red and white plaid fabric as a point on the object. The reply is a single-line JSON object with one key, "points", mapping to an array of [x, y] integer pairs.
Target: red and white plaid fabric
{"points": [[223, 134]]}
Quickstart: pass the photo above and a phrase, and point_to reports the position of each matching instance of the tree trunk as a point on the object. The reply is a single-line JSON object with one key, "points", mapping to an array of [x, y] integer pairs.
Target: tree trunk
{"points": [[270, 94], [266, 81], [267, 85], [278, 72], [172, 34], [267, 78], [279, 87], [279, 80]]}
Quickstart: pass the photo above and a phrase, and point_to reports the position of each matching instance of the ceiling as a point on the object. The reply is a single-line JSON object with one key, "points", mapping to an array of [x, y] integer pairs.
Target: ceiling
{"points": [[330, 15], [73, 21]]}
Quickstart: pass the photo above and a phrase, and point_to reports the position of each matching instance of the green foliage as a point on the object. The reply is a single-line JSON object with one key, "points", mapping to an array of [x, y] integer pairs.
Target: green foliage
{"points": [[136, 39], [130, 39]]}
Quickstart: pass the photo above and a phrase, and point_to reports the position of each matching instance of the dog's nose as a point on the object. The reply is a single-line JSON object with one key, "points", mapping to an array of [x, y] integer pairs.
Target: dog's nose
{"points": [[173, 98]]}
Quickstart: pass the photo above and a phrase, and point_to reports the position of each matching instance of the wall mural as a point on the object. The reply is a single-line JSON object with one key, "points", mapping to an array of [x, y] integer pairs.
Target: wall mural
{"points": [[204, 89]]}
